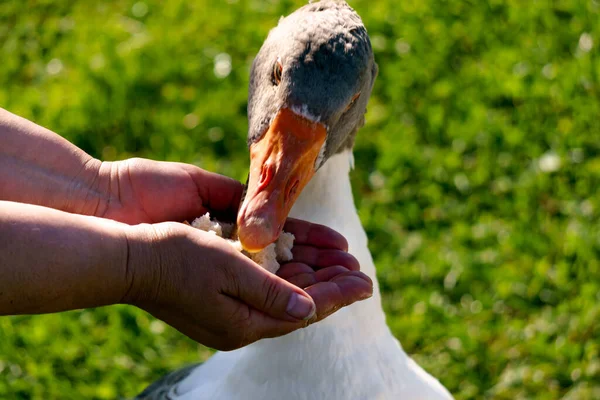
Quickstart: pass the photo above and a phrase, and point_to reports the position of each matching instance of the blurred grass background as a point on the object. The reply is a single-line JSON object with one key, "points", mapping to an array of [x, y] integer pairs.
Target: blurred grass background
{"points": [[476, 176]]}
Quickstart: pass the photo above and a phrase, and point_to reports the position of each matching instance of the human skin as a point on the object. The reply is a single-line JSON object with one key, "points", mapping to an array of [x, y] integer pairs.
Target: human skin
{"points": [[76, 233]]}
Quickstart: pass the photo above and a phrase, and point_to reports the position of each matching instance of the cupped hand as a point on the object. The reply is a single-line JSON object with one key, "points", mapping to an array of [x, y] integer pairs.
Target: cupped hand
{"points": [[139, 190], [199, 284]]}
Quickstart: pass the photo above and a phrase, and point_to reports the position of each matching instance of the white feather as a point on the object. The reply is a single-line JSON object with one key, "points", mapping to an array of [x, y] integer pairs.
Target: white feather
{"points": [[304, 112]]}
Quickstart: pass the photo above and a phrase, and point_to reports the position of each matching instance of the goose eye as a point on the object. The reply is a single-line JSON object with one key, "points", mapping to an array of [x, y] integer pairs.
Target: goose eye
{"points": [[277, 71], [354, 98]]}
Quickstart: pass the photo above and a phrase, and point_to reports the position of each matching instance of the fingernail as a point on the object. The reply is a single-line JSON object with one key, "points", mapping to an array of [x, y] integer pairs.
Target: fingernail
{"points": [[300, 307], [366, 295]]}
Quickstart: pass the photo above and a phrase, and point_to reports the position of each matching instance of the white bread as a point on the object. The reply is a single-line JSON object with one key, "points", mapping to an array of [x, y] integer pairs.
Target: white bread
{"points": [[269, 258]]}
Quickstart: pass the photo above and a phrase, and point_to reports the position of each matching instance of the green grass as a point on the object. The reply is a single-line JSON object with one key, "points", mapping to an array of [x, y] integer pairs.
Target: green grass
{"points": [[476, 180]]}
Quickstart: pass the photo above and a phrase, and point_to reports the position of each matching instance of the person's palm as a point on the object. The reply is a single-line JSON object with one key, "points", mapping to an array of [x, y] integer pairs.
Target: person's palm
{"points": [[146, 191]]}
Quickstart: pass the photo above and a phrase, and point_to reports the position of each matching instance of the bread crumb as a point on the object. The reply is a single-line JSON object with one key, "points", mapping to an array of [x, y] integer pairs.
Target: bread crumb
{"points": [[269, 258], [205, 224], [266, 258], [283, 246]]}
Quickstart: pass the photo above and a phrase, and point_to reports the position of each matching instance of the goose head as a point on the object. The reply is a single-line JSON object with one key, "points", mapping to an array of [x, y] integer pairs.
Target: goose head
{"points": [[309, 87]]}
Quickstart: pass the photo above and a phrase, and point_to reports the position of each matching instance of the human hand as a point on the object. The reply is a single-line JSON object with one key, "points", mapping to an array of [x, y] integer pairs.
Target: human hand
{"points": [[197, 283], [146, 191]]}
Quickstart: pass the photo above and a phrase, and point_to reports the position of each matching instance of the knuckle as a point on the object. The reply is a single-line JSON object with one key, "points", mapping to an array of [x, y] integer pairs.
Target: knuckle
{"points": [[242, 317], [272, 293]]}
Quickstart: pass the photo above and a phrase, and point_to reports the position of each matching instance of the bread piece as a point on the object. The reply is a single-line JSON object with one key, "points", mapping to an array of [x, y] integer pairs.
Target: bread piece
{"points": [[269, 258]]}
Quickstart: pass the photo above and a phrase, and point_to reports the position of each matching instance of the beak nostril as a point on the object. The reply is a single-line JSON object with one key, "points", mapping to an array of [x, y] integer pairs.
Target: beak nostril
{"points": [[266, 175], [291, 191]]}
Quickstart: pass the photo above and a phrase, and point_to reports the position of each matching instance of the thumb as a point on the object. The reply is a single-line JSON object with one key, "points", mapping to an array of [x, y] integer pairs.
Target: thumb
{"points": [[219, 194], [270, 294]]}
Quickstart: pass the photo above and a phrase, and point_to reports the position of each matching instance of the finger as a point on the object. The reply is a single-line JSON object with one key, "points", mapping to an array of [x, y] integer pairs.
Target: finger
{"points": [[329, 273], [320, 258], [219, 193], [233, 325], [238, 331], [288, 271], [292, 269], [330, 296], [341, 291], [254, 325], [303, 280], [297, 274], [266, 292], [303, 276], [310, 234]]}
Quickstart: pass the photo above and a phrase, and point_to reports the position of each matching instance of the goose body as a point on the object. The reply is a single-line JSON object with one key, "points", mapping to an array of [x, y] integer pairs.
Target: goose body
{"points": [[309, 88]]}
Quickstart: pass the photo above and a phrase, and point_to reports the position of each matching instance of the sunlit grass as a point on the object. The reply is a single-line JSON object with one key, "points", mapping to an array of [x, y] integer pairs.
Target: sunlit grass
{"points": [[476, 176]]}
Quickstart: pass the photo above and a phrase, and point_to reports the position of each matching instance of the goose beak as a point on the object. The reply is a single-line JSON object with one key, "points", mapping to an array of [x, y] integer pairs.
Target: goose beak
{"points": [[281, 164]]}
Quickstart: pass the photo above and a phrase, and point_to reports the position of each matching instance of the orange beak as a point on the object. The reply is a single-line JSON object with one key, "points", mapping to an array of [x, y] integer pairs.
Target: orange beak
{"points": [[281, 164]]}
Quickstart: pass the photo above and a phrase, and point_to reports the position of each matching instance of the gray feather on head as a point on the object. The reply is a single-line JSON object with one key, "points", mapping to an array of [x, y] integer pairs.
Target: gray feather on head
{"points": [[326, 60]]}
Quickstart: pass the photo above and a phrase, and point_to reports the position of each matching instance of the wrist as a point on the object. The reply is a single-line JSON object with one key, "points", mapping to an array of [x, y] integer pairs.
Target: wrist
{"points": [[85, 193], [113, 194], [100, 190], [76, 190], [145, 264]]}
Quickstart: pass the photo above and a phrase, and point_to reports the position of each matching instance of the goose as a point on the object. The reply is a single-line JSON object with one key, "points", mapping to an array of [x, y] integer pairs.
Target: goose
{"points": [[308, 91]]}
